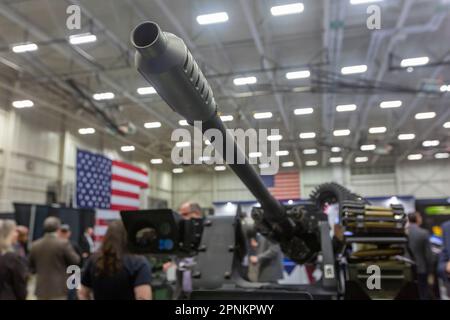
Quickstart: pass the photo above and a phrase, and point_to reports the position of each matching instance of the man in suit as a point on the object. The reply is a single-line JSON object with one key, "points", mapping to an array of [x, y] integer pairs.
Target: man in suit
{"points": [[269, 260], [444, 257], [87, 243], [49, 258], [420, 248]]}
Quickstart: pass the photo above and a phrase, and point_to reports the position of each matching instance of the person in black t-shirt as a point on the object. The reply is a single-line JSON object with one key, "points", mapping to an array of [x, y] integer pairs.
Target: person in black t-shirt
{"points": [[114, 273]]}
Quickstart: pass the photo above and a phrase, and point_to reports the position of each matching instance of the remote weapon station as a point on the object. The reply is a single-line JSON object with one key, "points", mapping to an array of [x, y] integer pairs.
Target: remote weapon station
{"points": [[375, 235]]}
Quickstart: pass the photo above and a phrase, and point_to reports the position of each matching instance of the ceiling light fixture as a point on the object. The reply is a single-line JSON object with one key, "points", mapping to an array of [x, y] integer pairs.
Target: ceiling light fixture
{"points": [[292, 8], [245, 81], [82, 38], [406, 136], [375, 130], [300, 74], [341, 133], [152, 125], [307, 135], [103, 96], [262, 115], [416, 156], [21, 104], [156, 161], [86, 131], [303, 111], [25, 47], [391, 104], [425, 115], [346, 107], [354, 69], [212, 18], [414, 62], [127, 148], [287, 164], [146, 90], [430, 143], [282, 153]]}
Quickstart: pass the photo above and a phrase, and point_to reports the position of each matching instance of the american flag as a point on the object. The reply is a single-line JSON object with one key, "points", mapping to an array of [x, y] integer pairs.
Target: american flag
{"points": [[284, 185], [107, 185]]}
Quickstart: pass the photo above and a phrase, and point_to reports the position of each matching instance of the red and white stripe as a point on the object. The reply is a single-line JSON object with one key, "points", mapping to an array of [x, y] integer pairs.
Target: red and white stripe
{"points": [[126, 182], [286, 186]]}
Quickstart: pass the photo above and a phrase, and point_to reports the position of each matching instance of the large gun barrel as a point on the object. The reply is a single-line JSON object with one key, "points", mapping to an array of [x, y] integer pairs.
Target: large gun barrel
{"points": [[165, 61]]}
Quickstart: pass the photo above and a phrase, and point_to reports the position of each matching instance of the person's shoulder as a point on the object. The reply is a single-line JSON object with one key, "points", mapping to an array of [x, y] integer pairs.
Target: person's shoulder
{"points": [[135, 261]]}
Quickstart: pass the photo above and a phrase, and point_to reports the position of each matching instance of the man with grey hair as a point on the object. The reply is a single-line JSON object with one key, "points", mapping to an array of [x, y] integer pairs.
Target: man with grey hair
{"points": [[49, 258]]}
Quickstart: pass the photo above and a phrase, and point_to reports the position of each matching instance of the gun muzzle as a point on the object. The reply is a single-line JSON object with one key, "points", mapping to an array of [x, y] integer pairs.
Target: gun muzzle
{"points": [[165, 61]]}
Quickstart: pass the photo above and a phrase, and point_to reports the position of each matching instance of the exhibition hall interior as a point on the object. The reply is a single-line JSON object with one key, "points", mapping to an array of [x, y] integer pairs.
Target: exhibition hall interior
{"points": [[224, 150]]}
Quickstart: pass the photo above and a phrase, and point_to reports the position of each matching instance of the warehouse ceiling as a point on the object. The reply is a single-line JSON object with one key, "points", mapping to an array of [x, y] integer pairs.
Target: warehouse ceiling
{"points": [[325, 37]]}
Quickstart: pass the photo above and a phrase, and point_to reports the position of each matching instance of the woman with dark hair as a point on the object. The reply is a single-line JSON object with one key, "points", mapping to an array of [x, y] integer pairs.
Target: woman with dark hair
{"points": [[115, 274]]}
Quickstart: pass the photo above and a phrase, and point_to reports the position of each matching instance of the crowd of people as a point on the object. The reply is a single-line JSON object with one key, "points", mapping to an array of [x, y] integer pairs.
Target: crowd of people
{"points": [[112, 272]]}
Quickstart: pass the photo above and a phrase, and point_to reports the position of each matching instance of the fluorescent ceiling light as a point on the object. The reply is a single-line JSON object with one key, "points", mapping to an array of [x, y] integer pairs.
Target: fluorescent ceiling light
{"points": [[442, 155], [204, 158], [84, 131], [287, 164], [103, 96], [275, 137], [301, 74], [146, 90], [211, 18], [336, 159], [368, 147], [406, 136], [341, 133], [25, 47], [447, 125], [354, 69], [282, 153], [336, 149], [127, 148], [311, 163], [183, 144], [307, 135], [390, 104], [303, 111], [417, 156], [82, 38], [21, 104], [255, 154], [244, 81], [361, 159], [156, 161], [430, 143], [346, 107], [375, 130], [152, 125], [445, 88], [263, 115], [414, 62], [425, 115], [227, 118], [178, 170], [264, 166], [363, 1], [183, 123], [220, 168], [292, 8], [310, 151]]}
